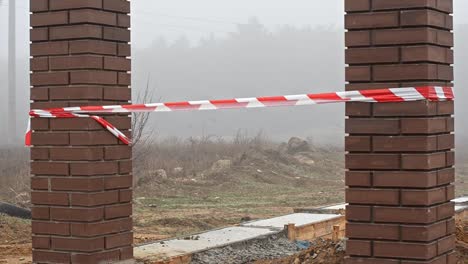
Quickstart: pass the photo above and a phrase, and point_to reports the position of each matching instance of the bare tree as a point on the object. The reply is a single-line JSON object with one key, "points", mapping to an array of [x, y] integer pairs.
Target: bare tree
{"points": [[141, 134]]}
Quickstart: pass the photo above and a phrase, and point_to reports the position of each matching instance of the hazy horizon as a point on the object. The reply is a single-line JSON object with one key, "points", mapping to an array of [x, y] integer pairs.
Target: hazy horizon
{"points": [[183, 46]]}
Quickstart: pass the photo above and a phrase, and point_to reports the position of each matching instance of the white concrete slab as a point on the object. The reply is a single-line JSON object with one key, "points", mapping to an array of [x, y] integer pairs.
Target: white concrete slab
{"points": [[336, 207], [461, 200], [298, 219], [204, 241]]}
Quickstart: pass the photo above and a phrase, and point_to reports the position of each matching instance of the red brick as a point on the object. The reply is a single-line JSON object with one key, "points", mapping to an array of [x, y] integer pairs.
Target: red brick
{"points": [[93, 16], [125, 196], [94, 199], [93, 77], [405, 250], [404, 143], [118, 182], [126, 253], [38, 5], [51, 256], [49, 198], [372, 231], [358, 178], [39, 124], [372, 126], [372, 196], [49, 48], [371, 20], [93, 47], [76, 214], [93, 169], [92, 138], [38, 183], [125, 167], [101, 228], [412, 72], [121, 6], [372, 55], [77, 184], [445, 176], [426, 233], [423, 161], [409, 4], [427, 53], [357, 109], [357, 260], [415, 109], [446, 244], [116, 34], [76, 62], [39, 153], [124, 78], [445, 211], [39, 64], [123, 20], [358, 248], [450, 192], [39, 93], [76, 32], [357, 5], [358, 213], [76, 154], [424, 125], [445, 108], [117, 152], [426, 18], [48, 19], [120, 240], [405, 179], [372, 161], [446, 142], [49, 168], [358, 143], [40, 213], [117, 93], [39, 34], [423, 197], [117, 64], [41, 242], [51, 228], [413, 215], [412, 36], [78, 244], [358, 73], [118, 211], [357, 38], [49, 139], [124, 50], [101, 257], [49, 78], [72, 4]]}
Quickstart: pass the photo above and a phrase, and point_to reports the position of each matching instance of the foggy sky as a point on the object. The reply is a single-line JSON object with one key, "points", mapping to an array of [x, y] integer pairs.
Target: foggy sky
{"points": [[153, 19]]}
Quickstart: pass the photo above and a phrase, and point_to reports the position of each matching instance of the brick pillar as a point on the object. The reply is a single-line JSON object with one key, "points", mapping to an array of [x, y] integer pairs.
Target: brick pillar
{"points": [[400, 156], [81, 174]]}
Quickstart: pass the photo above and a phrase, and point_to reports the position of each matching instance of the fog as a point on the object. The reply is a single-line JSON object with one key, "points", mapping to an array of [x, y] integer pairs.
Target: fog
{"points": [[211, 49]]}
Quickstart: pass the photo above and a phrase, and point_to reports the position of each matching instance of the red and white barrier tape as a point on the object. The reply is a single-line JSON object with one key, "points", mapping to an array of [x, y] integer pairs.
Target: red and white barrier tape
{"points": [[432, 93]]}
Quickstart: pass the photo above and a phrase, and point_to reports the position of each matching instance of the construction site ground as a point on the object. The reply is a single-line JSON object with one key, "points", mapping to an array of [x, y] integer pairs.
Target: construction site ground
{"points": [[229, 184]]}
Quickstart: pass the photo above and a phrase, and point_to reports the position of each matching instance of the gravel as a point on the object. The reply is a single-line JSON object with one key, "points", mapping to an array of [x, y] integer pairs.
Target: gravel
{"points": [[271, 247]]}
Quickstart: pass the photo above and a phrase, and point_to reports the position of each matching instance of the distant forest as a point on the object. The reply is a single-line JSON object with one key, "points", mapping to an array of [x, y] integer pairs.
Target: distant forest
{"points": [[252, 61]]}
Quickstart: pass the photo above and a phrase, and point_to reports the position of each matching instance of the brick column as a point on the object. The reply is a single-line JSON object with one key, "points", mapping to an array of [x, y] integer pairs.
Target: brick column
{"points": [[81, 174], [400, 156]]}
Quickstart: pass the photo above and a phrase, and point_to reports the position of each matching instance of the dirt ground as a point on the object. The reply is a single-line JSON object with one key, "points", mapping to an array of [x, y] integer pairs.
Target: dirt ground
{"points": [[15, 245]]}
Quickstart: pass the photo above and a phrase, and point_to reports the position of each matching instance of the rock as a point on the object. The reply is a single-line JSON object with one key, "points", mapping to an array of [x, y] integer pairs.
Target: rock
{"points": [[221, 165], [304, 159], [160, 174], [296, 145], [178, 170]]}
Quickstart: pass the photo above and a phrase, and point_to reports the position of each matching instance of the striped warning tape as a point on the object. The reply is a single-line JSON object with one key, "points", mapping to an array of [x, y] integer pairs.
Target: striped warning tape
{"points": [[432, 93]]}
